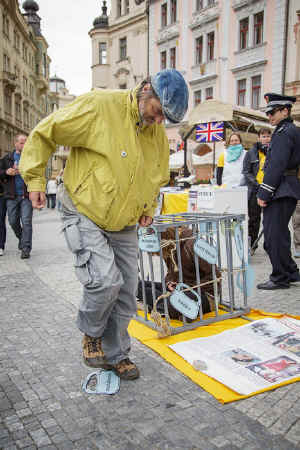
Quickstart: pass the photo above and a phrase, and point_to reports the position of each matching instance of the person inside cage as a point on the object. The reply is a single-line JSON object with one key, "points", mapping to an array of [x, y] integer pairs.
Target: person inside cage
{"points": [[169, 250]]}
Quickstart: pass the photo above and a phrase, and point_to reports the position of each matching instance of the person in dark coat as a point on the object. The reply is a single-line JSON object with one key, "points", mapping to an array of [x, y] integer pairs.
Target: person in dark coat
{"points": [[2, 219], [279, 192], [19, 207], [253, 172]]}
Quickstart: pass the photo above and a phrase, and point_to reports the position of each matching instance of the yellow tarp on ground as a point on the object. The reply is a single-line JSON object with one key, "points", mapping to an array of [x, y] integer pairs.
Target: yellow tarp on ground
{"points": [[174, 203], [222, 393]]}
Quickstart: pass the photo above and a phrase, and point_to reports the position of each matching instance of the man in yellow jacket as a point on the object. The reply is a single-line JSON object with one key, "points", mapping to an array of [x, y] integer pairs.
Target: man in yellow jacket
{"points": [[119, 159]]}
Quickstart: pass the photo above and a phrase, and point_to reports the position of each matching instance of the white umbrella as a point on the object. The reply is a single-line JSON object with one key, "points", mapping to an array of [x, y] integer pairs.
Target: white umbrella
{"points": [[176, 160]]}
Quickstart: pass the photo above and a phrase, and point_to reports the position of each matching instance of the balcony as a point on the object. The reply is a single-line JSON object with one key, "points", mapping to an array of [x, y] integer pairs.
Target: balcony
{"points": [[238, 4], [9, 80], [205, 16], [42, 83], [168, 33]]}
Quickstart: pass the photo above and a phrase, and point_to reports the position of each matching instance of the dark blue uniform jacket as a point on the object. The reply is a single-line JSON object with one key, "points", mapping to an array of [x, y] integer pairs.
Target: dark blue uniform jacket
{"points": [[283, 155]]}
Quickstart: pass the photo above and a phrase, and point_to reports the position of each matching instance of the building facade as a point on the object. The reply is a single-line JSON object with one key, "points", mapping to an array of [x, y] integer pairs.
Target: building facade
{"points": [[120, 45], [24, 71], [59, 97], [230, 50], [292, 73]]}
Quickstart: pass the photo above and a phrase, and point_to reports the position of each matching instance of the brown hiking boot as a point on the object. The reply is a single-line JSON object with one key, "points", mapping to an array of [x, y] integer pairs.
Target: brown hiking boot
{"points": [[126, 370], [93, 355]]}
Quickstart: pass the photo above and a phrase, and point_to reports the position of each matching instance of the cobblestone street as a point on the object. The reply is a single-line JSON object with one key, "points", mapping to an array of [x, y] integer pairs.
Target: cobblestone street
{"points": [[41, 370]]}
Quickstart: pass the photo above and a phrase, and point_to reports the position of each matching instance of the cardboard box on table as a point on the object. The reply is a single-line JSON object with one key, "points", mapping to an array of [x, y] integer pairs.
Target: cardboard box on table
{"points": [[221, 200]]}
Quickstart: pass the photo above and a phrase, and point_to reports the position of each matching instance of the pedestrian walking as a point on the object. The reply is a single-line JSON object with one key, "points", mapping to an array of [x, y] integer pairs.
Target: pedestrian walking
{"points": [[19, 207], [2, 220], [119, 159], [51, 192], [253, 164], [296, 230], [230, 162], [59, 184], [279, 192]]}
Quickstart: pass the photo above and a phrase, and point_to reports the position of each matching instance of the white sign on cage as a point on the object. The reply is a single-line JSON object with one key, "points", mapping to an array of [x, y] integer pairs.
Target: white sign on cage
{"points": [[213, 199]]}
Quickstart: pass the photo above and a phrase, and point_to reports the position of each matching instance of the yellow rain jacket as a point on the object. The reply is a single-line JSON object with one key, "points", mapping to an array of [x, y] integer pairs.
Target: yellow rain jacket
{"points": [[115, 169]]}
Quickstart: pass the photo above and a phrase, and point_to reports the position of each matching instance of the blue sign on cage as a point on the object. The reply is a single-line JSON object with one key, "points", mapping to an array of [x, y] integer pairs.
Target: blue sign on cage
{"points": [[206, 251], [184, 304], [148, 239]]}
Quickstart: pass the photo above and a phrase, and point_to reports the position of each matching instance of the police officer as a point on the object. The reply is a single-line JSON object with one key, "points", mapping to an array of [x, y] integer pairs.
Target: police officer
{"points": [[279, 192]]}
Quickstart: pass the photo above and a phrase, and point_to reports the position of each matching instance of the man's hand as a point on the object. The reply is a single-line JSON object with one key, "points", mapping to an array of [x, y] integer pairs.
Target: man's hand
{"points": [[145, 221], [11, 172], [261, 203], [38, 199]]}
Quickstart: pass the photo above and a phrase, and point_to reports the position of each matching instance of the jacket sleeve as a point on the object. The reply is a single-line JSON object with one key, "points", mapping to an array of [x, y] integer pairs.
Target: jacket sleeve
{"points": [[71, 126], [250, 178], [278, 159], [164, 169]]}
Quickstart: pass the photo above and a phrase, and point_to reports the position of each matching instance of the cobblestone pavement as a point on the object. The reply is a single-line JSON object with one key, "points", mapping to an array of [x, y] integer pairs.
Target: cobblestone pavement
{"points": [[41, 402]]}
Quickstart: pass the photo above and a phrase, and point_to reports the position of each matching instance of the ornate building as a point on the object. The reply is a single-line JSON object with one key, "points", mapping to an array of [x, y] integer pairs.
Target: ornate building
{"points": [[59, 97], [292, 73], [120, 45], [24, 71]]}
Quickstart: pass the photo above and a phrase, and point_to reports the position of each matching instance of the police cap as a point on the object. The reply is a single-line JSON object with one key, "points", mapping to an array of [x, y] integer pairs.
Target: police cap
{"points": [[277, 101]]}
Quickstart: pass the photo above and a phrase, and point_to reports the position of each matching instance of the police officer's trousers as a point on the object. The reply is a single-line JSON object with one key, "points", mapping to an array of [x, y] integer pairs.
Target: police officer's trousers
{"points": [[106, 265], [276, 217]]}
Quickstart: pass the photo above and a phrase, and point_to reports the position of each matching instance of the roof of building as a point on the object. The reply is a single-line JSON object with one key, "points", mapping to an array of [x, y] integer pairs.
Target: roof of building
{"points": [[30, 5], [102, 21]]}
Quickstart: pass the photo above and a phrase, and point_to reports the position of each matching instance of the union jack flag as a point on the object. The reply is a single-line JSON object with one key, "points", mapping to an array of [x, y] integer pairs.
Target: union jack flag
{"points": [[210, 132]]}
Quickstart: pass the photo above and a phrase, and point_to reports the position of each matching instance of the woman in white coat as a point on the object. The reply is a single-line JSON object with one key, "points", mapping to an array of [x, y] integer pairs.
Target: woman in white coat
{"points": [[230, 162], [51, 192]]}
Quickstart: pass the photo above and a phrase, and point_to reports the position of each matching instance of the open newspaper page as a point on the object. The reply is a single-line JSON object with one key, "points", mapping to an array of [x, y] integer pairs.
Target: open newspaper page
{"points": [[249, 358]]}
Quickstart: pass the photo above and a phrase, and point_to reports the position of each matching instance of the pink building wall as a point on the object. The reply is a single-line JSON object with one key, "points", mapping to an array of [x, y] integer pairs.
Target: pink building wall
{"points": [[229, 64]]}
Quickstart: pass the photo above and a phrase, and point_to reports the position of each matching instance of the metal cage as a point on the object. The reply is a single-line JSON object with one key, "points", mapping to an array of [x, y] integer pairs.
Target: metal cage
{"points": [[222, 235]]}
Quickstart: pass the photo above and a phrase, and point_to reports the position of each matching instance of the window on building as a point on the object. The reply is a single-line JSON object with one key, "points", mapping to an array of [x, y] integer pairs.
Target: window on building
{"points": [[210, 46], [173, 11], [258, 28], [16, 41], [210, 2], [18, 110], [7, 102], [31, 91], [123, 86], [123, 48], [244, 33], [199, 5], [199, 50], [164, 15], [102, 53], [256, 90], [173, 58], [6, 63], [126, 6], [5, 26], [25, 85], [45, 71], [163, 60], [241, 92], [209, 93], [197, 98], [26, 117], [17, 73], [119, 8]]}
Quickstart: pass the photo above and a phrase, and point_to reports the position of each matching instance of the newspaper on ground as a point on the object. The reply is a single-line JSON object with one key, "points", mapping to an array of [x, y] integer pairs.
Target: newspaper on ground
{"points": [[249, 358]]}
